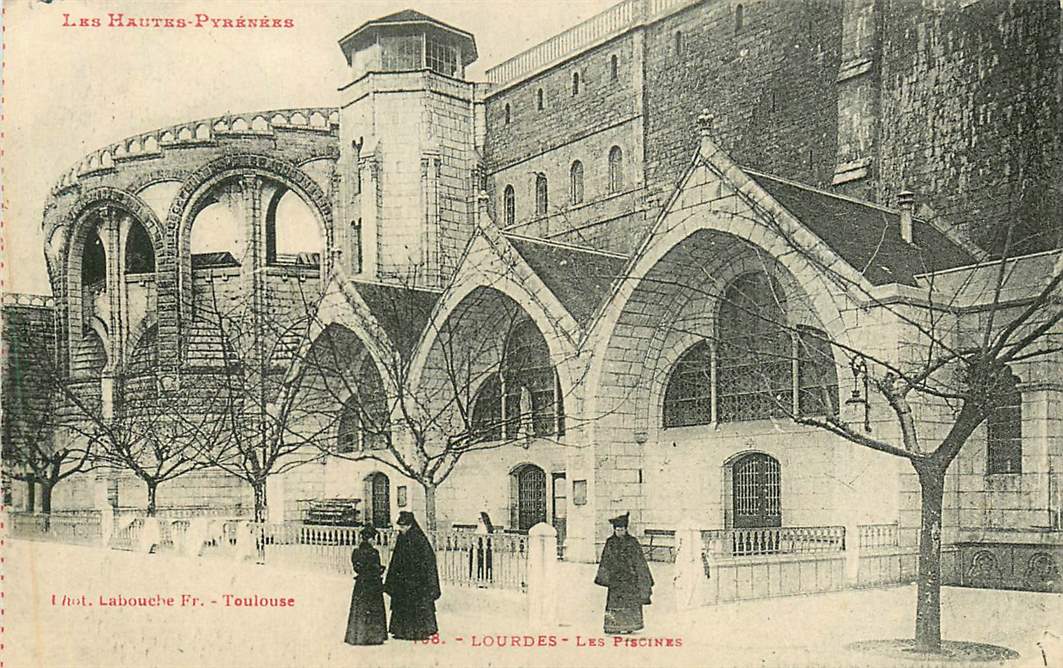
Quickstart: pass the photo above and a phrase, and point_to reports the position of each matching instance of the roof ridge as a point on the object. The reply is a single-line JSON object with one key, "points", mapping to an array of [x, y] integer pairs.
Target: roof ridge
{"points": [[568, 246], [820, 191], [383, 284]]}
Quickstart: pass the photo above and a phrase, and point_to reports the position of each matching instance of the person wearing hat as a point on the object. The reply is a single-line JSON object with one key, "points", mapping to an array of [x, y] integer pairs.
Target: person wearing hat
{"points": [[366, 622], [412, 582], [623, 570]]}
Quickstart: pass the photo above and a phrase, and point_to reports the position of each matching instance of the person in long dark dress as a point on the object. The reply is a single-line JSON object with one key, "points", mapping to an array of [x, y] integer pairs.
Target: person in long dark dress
{"points": [[412, 582], [624, 571], [367, 622]]}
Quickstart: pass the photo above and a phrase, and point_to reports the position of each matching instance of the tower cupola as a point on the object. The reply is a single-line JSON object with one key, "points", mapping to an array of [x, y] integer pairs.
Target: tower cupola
{"points": [[408, 41]]}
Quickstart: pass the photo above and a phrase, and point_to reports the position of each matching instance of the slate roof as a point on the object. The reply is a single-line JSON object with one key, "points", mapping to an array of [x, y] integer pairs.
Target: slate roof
{"points": [[412, 16], [402, 312], [580, 278], [865, 235]]}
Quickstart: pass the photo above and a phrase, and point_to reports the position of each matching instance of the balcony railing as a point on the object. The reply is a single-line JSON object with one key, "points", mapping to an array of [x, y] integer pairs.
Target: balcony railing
{"points": [[612, 22], [725, 543]]}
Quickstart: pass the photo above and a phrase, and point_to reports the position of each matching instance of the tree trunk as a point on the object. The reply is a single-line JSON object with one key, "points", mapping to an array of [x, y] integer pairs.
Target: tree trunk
{"points": [[152, 489], [46, 497], [429, 506], [928, 602], [259, 487], [31, 495]]}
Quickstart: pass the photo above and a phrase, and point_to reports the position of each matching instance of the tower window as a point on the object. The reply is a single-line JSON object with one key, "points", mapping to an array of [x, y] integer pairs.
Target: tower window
{"points": [[539, 103], [678, 37], [509, 204], [507, 114], [575, 83], [739, 18], [616, 169], [576, 182], [542, 197], [614, 67], [1004, 429]]}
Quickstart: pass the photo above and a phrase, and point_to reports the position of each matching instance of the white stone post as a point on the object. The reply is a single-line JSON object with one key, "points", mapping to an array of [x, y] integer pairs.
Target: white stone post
{"points": [[852, 553], [150, 535], [542, 577], [689, 578]]}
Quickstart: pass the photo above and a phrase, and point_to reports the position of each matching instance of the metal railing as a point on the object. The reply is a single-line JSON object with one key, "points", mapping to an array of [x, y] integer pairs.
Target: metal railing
{"points": [[877, 536], [463, 558], [724, 543], [80, 528]]}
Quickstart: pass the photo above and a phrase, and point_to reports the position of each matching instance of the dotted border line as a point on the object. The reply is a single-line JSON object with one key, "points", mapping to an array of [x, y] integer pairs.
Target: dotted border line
{"points": [[3, 289]]}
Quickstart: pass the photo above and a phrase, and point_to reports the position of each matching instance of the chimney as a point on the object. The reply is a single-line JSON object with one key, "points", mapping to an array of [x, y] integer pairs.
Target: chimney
{"points": [[906, 203]]}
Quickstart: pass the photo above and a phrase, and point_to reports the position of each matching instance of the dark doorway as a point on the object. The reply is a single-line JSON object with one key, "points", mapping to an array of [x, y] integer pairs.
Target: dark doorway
{"points": [[531, 497], [755, 492], [380, 500]]}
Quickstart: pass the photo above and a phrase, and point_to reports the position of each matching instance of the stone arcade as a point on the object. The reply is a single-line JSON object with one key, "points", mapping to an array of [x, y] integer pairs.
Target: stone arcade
{"points": [[588, 190]]}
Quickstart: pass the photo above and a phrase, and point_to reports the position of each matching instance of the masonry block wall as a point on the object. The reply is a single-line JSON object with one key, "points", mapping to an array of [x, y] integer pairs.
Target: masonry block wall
{"points": [[589, 104], [959, 102], [971, 113]]}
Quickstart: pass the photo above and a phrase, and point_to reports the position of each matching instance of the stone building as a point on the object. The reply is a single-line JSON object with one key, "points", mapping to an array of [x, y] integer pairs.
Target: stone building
{"points": [[598, 220]]}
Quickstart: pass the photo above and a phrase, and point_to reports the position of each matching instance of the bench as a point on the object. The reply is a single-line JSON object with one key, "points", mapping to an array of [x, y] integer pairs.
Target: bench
{"points": [[659, 544]]}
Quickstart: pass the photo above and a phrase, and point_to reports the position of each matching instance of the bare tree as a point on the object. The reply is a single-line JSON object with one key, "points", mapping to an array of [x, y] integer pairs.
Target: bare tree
{"points": [[969, 327], [33, 420], [488, 383], [253, 396]]}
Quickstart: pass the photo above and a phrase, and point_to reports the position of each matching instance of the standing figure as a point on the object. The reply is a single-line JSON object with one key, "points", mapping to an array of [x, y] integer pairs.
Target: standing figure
{"points": [[412, 582], [624, 571], [367, 622]]}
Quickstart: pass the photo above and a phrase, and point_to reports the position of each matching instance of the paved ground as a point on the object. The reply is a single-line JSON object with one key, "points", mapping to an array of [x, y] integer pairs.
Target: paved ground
{"points": [[803, 630]]}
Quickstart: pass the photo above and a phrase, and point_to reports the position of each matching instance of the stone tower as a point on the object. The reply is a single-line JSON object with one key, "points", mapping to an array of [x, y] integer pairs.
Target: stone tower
{"points": [[408, 165]]}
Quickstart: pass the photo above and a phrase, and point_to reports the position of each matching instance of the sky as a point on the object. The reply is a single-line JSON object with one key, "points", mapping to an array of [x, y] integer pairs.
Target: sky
{"points": [[70, 90]]}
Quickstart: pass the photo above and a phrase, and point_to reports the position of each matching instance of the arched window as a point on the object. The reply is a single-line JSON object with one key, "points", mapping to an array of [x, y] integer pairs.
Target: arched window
{"points": [[487, 411], [817, 374], [507, 114], [364, 422], [509, 204], [93, 261], [739, 18], [575, 187], [542, 196], [678, 38], [616, 169], [539, 101], [756, 497], [575, 83], [754, 368], [139, 252], [688, 396], [614, 67], [1004, 429], [531, 403], [292, 232]]}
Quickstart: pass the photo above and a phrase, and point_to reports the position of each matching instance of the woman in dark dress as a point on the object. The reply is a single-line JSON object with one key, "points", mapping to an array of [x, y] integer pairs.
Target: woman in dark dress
{"points": [[412, 583], [366, 623]]}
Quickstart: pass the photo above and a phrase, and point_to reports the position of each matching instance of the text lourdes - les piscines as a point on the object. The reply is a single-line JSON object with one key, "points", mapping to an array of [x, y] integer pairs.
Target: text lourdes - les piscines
{"points": [[170, 601]]}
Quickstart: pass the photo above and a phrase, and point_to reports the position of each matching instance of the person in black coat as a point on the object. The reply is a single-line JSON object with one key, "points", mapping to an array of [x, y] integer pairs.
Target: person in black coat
{"points": [[624, 571], [367, 622], [412, 582]]}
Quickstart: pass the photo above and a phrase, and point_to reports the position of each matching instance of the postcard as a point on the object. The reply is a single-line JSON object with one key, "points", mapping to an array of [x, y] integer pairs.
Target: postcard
{"points": [[531, 333]]}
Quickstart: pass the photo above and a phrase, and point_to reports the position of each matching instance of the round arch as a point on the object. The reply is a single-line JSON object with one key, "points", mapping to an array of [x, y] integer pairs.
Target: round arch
{"points": [[557, 331], [80, 220], [175, 300], [671, 234]]}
